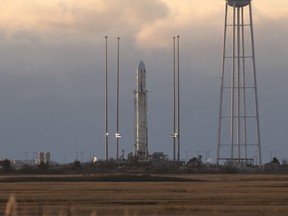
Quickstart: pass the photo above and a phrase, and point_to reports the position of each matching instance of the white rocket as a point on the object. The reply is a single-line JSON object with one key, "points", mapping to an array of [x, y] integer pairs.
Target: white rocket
{"points": [[140, 94]]}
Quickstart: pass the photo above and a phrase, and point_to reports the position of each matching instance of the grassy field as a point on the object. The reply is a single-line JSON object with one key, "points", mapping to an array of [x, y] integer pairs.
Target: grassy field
{"points": [[215, 195]]}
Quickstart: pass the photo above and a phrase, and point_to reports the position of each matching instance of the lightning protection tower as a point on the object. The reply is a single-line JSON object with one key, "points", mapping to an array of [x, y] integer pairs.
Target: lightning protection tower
{"points": [[238, 129]]}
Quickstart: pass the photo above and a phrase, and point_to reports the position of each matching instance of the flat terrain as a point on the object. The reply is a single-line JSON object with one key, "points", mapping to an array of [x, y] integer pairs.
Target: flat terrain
{"points": [[214, 194]]}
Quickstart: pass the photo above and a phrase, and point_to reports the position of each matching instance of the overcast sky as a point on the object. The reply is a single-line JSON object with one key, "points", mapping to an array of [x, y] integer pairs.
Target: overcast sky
{"points": [[52, 65]]}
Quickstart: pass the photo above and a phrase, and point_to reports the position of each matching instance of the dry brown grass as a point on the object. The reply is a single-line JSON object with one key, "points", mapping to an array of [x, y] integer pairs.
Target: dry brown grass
{"points": [[11, 207], [233, 195]]}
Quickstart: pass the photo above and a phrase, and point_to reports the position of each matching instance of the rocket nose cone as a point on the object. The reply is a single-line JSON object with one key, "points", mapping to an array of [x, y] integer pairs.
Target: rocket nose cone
{"points": [[141, 66]]}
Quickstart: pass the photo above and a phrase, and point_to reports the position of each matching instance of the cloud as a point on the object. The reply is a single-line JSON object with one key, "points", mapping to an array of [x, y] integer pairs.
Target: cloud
{"points": [[70, 19], [194, 18], [185, 17], [151, 23], [272, 10]]}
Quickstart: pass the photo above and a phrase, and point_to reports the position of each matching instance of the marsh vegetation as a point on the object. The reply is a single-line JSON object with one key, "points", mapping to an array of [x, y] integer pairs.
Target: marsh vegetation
{"points": [[238, 194]]}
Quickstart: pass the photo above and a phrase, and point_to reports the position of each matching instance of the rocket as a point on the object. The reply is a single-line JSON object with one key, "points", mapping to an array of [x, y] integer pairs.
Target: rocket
{"points": [[140, 100]]}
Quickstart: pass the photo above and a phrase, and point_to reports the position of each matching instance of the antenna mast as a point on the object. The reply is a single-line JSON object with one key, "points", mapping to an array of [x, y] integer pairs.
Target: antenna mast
{"points": [[106, 101], [118, 136]]}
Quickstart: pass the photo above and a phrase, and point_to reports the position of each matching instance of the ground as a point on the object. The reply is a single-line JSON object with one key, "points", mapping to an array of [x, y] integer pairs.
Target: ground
{"points": [[214, 194]]}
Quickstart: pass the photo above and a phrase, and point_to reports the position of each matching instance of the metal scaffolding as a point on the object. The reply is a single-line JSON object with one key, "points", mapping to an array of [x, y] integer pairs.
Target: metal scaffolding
{"points": [[238, 129]]}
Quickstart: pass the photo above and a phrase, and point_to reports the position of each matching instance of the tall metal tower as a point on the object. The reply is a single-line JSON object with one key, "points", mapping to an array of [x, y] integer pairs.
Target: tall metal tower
{"points": [[176, 100], [106, 100], [238, 129], [117, 135]]}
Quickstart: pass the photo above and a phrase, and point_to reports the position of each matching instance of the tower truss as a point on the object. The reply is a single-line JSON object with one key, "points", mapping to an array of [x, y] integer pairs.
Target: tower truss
{"points": [[238, 126]]}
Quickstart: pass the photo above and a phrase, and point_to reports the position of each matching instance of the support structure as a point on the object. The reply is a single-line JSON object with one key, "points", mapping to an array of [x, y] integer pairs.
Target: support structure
{"points": [[106, 101], [117, 135], [238, 128], [176, 100]]}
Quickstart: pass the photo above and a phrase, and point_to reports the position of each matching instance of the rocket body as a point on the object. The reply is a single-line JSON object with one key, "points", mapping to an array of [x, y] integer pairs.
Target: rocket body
{"points": [[140, 97]]}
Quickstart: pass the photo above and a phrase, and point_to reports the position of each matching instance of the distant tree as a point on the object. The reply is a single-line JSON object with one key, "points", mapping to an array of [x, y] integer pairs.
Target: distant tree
{"points": [[195, 161], [43, 166], [275, 160], [231, 169], [27, 168], [6, 165], [76, 165]]}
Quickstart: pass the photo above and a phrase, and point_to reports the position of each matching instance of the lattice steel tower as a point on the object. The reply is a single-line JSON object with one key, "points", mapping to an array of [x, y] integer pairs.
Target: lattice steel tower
{"points": [[238, 129]]}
